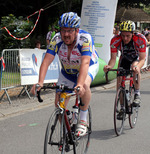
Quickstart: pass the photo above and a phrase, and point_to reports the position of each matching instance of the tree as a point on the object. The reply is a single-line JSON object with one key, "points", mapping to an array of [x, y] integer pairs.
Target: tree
{"points": [[18, 27], [133, 3]]}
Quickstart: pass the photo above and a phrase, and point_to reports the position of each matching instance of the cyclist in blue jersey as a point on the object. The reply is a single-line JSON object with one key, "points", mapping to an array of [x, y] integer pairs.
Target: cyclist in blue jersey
{"points": [[79, 61]]}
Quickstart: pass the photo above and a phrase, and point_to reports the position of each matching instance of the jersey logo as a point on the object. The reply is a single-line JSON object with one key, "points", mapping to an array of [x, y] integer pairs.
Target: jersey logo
{"points": [[84, 39], [76, 53], [112, 46], [142, 46], [116, 41]]}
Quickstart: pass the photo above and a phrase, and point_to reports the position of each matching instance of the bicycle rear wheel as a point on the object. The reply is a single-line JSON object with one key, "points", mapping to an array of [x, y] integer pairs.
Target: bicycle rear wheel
{"points": [[55, 134], [119, 123], [82, 143], [134, 110]]}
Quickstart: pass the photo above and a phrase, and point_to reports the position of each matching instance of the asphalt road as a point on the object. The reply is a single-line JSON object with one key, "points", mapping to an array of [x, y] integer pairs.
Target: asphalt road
{"points": [[24, 132]]}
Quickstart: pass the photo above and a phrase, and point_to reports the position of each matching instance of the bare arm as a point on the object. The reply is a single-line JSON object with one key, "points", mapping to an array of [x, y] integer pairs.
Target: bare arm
{"points": [[141, 62], [44, 66], [85, 61], [111, 62], [142, 56]]}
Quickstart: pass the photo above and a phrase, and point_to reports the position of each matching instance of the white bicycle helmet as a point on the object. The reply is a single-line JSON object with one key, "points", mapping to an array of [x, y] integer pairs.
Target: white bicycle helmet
{"points": [[70, 20]]}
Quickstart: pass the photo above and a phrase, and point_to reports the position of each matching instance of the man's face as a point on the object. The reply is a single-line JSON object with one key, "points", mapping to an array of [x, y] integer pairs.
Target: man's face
{"points": [[126, 37], [68, 35], [114, 30]]}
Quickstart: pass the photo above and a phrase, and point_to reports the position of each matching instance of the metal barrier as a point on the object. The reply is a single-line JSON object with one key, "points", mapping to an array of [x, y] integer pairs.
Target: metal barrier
{"points": [[10, 76]]}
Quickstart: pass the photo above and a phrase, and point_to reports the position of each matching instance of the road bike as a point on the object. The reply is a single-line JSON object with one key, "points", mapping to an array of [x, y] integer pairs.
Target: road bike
{"points": [[123, 101], [60, 136]]}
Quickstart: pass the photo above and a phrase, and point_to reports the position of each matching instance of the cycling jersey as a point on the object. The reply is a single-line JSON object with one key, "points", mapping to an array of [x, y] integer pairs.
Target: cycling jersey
{"points": [[48, 36], [130, 51], [137, 44], [84, 46]]}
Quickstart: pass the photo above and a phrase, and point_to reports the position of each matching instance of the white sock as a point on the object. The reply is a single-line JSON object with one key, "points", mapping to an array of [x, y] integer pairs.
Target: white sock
{"points": [[83, 115], [137, 91]]}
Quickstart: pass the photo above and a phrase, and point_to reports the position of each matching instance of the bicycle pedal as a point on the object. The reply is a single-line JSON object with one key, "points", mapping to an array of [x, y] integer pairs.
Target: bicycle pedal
{"points": [[67, 148]]}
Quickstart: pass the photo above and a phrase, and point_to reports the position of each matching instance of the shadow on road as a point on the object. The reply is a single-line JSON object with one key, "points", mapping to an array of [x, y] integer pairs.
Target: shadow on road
{"points": [[107, 134], [103, 134]]}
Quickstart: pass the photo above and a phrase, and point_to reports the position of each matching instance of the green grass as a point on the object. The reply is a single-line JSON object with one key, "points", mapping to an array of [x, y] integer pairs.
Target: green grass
{"points": [[10, 79]]}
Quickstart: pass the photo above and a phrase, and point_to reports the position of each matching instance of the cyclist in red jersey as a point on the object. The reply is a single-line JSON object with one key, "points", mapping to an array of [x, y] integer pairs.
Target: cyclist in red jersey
{"points": [[133, 52]]}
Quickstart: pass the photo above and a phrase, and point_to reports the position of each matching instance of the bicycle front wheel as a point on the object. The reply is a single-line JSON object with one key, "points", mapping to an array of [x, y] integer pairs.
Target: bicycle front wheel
{"points": [[55, 134], [82, 143], [134, 111], [119, 101]]}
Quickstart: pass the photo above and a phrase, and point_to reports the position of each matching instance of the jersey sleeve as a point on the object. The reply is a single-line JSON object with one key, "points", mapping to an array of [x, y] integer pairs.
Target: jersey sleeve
{"points": [[87, 46], [53, 47], [141, 42], [114, 44]]}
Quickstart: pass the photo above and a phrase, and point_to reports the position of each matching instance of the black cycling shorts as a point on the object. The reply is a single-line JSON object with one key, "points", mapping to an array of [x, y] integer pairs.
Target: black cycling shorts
{"points": [[126, 64]]}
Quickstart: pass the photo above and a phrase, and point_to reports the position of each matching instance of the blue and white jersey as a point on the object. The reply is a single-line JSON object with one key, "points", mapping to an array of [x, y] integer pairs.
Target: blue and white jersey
{"points": [[84, 47]]}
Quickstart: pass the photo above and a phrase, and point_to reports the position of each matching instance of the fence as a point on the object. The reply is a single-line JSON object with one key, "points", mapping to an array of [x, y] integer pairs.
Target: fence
{"points": [[22, 69], [10, 76]]}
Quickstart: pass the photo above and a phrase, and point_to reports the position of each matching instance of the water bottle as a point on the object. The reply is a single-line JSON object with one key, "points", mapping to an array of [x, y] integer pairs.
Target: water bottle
{"points": [[128, 101], [74, 115], [127, 97], [69, 115]]}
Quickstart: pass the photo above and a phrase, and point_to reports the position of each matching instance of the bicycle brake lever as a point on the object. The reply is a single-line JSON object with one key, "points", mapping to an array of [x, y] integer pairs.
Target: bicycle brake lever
{"points": [[78, 89], [38, 94]]}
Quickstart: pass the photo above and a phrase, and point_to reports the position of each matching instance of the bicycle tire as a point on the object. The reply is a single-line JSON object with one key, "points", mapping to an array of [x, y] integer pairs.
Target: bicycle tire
{"points": [[55, 134], [82, 143], [119, 124], [134, 110]]}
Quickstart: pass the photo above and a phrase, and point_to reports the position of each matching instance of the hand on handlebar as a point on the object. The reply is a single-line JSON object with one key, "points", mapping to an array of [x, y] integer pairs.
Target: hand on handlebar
{"points": [[79, 89], [35, 88], [106, 68], [36, 91], [136, 69]]}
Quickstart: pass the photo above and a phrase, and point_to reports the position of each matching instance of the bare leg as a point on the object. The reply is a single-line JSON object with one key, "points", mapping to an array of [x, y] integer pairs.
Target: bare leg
{"points": [[57, 96], [87, 95], [137, 98], [136, 84], [119, 80]]}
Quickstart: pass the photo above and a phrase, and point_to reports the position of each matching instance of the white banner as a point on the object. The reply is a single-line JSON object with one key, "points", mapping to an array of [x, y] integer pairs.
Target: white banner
{"points": [[97, 17], [146, 58], [30, 61]]}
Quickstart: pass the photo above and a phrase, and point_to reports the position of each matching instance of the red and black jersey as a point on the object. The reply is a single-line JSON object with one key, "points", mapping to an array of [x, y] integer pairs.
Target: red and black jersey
{"points": [[137, 44]]}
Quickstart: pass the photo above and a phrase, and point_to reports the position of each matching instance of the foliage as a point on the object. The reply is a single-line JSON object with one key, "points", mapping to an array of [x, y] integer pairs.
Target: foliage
{"points": [[147, 9], [48, 18], [133, 3], [19, 28]]}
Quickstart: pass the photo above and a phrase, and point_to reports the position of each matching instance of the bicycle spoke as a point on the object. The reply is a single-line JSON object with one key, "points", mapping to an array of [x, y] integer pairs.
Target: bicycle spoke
{"points": [[134, 115], [54, 138], [118, 121]]}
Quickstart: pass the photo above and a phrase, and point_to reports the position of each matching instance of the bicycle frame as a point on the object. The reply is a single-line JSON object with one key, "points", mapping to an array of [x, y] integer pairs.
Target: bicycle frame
{"points": [[61, 105], [122, 99], [66, 127], [125, 78]]}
